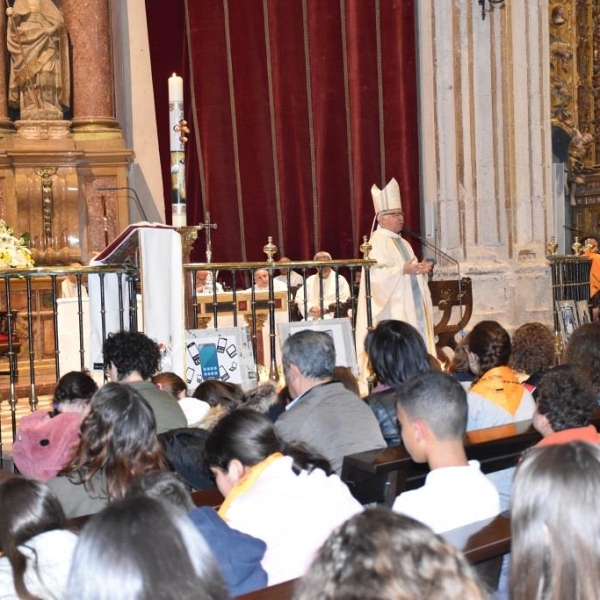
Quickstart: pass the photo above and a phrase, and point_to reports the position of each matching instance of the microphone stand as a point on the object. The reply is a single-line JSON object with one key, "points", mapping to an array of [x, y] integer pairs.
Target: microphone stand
{"points": [[445, 255], [133, 194]]}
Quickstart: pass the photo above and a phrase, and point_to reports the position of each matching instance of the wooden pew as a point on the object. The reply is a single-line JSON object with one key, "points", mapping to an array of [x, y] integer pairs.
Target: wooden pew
{"points": [[281, 591], [380, 475], [481, 543], [208, 497]]}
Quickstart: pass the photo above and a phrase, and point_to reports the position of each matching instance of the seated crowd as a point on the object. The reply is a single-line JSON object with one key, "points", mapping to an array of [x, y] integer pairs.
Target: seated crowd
{"points": [[136, 448]]}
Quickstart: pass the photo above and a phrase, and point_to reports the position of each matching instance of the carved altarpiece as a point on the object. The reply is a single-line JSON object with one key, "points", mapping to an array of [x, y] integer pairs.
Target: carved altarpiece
{"points": [[53, 173], [575, 83]]}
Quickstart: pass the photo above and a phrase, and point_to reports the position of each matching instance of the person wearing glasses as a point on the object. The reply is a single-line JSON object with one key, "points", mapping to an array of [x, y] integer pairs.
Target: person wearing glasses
{"points": [[399, 288]]}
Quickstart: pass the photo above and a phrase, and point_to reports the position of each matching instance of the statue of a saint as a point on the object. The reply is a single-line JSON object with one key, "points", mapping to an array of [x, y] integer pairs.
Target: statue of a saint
{"points": [[39, 76]]}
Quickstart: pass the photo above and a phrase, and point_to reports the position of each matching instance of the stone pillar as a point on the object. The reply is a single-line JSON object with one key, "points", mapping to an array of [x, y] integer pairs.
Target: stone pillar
{"points": [[485, 143], [88, 25], [5, 123]]}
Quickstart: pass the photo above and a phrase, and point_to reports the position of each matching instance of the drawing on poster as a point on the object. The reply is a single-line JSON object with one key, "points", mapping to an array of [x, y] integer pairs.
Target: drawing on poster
{"points": [[224, 353], [339, 329], [567, 317]]}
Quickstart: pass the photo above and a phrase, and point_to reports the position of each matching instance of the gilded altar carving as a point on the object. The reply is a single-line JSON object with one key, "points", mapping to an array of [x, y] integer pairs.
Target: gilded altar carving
{"points": [[574, 75]]}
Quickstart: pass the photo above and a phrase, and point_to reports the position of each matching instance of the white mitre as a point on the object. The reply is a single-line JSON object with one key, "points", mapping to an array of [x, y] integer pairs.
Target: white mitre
{"points": [[388, 198]]}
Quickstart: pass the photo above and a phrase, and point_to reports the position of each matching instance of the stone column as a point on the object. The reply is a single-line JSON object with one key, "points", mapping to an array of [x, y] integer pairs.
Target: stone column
{"points": [[5, 123], [485, 142], [88, 25]]}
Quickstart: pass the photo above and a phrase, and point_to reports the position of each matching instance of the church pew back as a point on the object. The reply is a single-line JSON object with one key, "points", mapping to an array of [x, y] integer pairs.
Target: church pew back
{"points": [[380, 475], [480, 542], [208, 497]]}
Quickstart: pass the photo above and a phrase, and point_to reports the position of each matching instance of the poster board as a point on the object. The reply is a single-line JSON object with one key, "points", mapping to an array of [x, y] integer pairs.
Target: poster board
{"points": [[583, 312], [223, 353], [339, 329], [567, 318]]}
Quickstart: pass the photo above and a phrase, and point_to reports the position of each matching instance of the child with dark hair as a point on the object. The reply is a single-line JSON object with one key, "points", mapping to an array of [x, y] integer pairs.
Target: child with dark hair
{"points": [[496, 397], [432, 410], [292, 501], [36, 544], [396, 352], [131, 357], [46, 442], [193, 408], [118, 445], [533, 353], [144, 549], [221, 396], [555, 524], [238, 555], [565, 406], [583, 353]]}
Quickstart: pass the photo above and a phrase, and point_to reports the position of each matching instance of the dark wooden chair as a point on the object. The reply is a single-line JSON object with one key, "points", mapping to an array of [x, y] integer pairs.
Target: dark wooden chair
{"points": [[454, 299]]}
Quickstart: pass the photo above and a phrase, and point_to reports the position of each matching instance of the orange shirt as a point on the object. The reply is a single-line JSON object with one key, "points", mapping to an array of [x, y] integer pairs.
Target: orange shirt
{"points": [[575, 434]]}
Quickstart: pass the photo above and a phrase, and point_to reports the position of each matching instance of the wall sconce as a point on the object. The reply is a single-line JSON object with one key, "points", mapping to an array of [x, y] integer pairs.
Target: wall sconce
{"points": [[483, 3]]}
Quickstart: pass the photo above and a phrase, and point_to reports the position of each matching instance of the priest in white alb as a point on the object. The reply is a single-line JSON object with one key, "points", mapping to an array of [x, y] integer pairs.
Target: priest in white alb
{"points": [[332, 287], [399, 287]]}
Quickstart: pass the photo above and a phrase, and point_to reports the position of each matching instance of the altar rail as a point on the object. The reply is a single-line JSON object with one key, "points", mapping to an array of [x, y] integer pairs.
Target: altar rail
{"points": [[31, 347], [29, 329], [236, 279]]}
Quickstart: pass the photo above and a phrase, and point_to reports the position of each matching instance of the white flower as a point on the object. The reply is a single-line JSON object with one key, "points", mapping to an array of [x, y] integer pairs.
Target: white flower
{"points": [[13, 251]]}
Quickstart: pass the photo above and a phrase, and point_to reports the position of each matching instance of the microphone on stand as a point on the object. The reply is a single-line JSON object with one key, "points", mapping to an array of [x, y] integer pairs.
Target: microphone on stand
{"points": [[436, 249], [445, 255]]}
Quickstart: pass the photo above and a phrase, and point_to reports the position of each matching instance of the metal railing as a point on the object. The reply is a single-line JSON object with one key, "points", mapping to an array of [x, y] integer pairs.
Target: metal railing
{"points": [[31, 331]]}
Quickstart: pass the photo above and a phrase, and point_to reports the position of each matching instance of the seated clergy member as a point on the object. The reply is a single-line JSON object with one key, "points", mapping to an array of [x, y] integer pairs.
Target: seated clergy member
{"points": [[295, 278], [261, 282], [313, 291], [205, 283], [133, 358], [323, 414], [565, 406], [432, 410], [68, 286]]}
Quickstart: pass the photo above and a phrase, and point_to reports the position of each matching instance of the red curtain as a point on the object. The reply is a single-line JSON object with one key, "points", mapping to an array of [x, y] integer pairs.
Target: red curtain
{"points": [[296, 107]]}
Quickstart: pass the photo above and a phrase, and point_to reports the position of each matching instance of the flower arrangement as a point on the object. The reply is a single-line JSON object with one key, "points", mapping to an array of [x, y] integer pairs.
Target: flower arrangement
{"points": [[13, 251]]}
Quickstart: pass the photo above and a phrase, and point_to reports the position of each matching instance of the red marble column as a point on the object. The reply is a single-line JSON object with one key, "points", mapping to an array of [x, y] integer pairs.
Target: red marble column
{"points": [[88, 25]]}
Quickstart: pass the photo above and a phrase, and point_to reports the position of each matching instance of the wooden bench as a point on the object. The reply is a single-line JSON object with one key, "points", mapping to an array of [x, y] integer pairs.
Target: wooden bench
{"points": [[381, 475], [481, 543], [208, 497]]}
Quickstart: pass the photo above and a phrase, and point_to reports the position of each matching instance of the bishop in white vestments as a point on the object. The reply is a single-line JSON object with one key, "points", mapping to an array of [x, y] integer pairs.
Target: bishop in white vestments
{"points": [[399, 286]]}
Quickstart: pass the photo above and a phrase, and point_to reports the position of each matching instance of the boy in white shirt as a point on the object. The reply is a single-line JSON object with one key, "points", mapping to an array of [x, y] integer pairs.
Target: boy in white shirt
{"points": [[432, 411]]}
